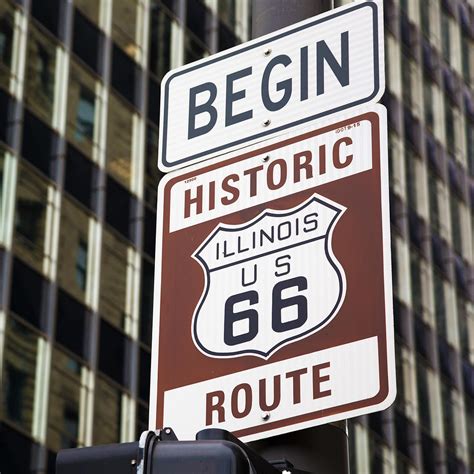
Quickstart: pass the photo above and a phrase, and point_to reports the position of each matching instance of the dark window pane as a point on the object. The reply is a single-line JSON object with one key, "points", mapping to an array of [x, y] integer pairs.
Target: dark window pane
{"points": [[48, 13], [16, 451], [153, 100], [144, 375], [150, 232], [87, 40], [118, 207], [7, 122], [227, 39], [79, 176], [27, 292], [198, 19], [112, 352], [124, 74], [6, 44], [71, 324], [146, 300], [85, 115], [160, 41], [39, 144]]}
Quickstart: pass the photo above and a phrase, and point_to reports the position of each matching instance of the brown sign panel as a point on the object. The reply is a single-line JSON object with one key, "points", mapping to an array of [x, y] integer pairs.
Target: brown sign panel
{"points": [[273, 303]]}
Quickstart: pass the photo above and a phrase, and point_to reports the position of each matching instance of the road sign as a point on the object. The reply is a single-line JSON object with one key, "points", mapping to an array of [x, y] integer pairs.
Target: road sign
{"points": [[297, 74], [273, 284]]}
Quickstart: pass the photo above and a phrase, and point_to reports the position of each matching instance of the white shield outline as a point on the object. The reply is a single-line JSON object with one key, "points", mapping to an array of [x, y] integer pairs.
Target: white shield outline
{"points": [[333, 261]]}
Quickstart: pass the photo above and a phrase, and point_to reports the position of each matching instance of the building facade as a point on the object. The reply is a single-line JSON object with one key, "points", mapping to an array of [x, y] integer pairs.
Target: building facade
{"points": [[79, 113]]}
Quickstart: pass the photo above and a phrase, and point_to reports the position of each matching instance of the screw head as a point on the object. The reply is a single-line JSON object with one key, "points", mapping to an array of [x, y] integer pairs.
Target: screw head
{"points": [[266, 158], [267, 52], [133, 462], [266, 123], [168, 431], [265, 416]]}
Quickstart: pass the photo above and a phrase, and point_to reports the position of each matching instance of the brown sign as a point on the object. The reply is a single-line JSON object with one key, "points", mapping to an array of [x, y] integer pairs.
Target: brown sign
{"points": [[273, 284]]}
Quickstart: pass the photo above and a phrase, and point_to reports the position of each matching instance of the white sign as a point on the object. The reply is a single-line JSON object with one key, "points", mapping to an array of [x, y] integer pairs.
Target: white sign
{"points": [[273, 283], [309, 70], [280, 257]]}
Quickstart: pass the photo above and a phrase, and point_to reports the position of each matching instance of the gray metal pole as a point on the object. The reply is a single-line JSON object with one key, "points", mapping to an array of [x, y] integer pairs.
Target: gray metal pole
{"points": [[324, 449]]}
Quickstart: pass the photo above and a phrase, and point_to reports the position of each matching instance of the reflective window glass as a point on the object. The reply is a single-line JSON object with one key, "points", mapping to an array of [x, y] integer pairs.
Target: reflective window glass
{"points": [[159, 60], [227, 38], [456, 223], [107, 412], [198, 20], [470, 145], [83, 109], [73, 248], [445, 36], [30, 216], [40, 73], [119, 140], [72, 323], [193, 49], [146, 302], [19, 368], [39, 144], [91, 8], [87, 40], [125, 74], [6, 42], [152, 174], [113, 347], [227, 11], [113, 279], [79, 177], [64, 401], [124, 25], [26, 281], [48, 13]]}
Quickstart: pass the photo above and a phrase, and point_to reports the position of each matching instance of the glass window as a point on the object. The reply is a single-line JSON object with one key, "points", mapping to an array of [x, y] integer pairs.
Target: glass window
{"points": [[193, 49], [20, 449], [152, 174], [467, 57], [112, 351], [118, 207], [39, 144], [227, 38], [440, 303], [19, 366], [434, 205], [470, 145], [425, 17], [146, 302], [40, 73], [445, 36], [2, 186], [26, 281], [227, 12], [428, 104], [87, 40], [144, 374], [124, 26], [198, 20], [83, 109], [456, 223], [142, 418], [125, 74], [107, 412], [113, 279], [79, 177], [449, 125], [48, 13], [30, 216], [91, 8], [72, 323], [6, 43], [119, 140], [73, 249], [160, 40], [64, 411]]}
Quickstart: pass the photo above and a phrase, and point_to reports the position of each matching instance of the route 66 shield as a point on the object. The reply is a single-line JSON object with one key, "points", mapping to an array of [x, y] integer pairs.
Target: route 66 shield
{"points": [[270, 281]]}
